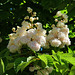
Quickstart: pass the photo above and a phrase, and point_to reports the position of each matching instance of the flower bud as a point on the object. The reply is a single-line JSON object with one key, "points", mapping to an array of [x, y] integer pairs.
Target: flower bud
{"points": [[58, 13], [31, 69], [13, 29], [27, 17], [31, 19]]}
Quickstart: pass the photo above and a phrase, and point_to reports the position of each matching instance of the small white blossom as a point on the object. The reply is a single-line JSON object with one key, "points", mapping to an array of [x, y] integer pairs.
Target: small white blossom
{"points": [[34, 45], [50, 69], [41, 40], [31, 69], [17, 41], [58, 13], [29, 9], [32, 19], [61, 35], [13, 48], [44, 72], [66, 41], [65, 30], [27, 17], [60, 24], [55, 42], [24, 40]]}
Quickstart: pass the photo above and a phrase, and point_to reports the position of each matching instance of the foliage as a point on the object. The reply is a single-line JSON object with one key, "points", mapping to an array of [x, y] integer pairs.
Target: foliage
{"points": [[12, 13]]}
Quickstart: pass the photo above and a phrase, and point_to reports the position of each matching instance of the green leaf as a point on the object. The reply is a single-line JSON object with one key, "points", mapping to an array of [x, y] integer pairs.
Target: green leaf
{"points": [[19, 61], [53, 52], [20, 66], [55, 73], [61, 66], [55, 57], [69, 50], [2, 69], [68, 57], [27, 63], [9, 66], [49, 60], [23, 65], [72, 72], [43, 58]]}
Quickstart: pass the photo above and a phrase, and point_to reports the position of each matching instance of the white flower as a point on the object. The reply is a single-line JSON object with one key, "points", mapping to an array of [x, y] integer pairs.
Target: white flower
{"points": [[31, 69], [12, 36], [50, 32], [34, 45], [24, 40], [39, 73], [53, 26], [0, 39], [65, 20], [11, 42], [41, 32], [29, 9], [43, 72], [50, 37], [18, 27], [17, 42], [31, 33], [64, 15], [61, 35], [34, 13], [50, 69], [39, 25], [56, 20], [55, 42], [13, 48], [66, 41], [14, 29], [55, 31], [65, 26], [27, 17], [60, 24], [65, 30], [41, 40], [25, 25], [58, 13], [32, 19], [37, 18], [21, 32], [37, 67]]}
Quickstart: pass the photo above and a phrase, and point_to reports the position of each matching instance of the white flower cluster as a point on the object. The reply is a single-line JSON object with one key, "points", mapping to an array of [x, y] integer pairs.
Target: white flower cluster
{"points": [[0, 38], [27, 35], [64, 17], [58, 36], [36, 37], [41, 71]]}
